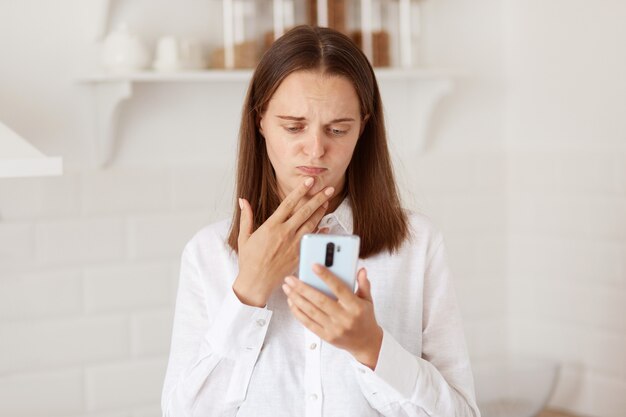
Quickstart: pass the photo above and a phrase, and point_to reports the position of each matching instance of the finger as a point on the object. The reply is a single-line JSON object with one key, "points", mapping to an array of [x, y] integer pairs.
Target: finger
{"points": [[336, 285], [306, 320], [305, 212], [365, 289], [318, 299], [323, 231], [245, 222], [289, 204], [308, 308], [311, 224]]}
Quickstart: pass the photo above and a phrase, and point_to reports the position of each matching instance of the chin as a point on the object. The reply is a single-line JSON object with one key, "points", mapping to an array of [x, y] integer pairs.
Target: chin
{"points": [[317, 187]]}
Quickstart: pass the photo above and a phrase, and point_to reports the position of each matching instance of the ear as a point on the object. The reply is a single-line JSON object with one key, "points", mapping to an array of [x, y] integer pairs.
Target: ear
{"points": [[259, 124], [363, 123]]}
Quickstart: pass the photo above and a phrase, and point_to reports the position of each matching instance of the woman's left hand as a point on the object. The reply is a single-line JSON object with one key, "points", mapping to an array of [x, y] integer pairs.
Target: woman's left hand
{"points": [[347, 323]]}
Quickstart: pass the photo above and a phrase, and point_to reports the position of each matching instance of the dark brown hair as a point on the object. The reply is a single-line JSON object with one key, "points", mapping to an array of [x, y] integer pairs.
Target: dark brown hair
{"points": [[378, 217]]}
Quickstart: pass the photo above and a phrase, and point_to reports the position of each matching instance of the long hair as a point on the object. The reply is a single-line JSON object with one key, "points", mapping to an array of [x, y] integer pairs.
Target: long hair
{"points": [[378, 217]]}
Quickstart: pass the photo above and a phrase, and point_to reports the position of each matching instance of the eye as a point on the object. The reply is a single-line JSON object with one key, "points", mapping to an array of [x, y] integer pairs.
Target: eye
{"points": [[337, 132], [293, 129]]}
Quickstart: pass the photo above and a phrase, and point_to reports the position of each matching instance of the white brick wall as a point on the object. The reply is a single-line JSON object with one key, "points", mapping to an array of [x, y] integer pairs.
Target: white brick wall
{"points": [[567, 281], [130, 288], [567, 200], [54, 344], [42, 394], [41, 295], [129, 384]]}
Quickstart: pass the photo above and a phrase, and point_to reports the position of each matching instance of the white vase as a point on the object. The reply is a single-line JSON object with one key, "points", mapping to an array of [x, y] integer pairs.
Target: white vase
{"points": [[123, 51]]}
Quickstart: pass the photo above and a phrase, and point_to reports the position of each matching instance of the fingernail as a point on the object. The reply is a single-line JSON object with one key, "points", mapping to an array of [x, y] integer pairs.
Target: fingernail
{"points": [[286, 289], [317, 268], [289, 281], [241, 203], [308, 182], [289, 302], [329, 191]]}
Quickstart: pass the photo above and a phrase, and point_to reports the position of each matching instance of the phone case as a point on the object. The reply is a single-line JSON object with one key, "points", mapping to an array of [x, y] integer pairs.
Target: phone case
{"points": [[315, 248]]}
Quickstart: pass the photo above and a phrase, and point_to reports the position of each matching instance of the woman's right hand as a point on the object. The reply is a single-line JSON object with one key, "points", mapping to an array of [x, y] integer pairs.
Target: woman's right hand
{"points": [[272, 251]]}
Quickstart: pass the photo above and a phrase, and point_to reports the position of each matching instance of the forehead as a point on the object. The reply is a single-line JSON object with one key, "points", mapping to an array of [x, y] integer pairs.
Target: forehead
{"points": [[307, 91]]}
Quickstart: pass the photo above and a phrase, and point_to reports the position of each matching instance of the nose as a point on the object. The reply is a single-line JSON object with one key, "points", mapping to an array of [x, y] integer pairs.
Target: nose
{"points": [[315, 146]]}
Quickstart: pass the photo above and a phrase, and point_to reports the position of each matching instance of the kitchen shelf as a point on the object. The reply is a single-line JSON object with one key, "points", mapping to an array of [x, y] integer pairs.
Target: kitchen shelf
{"points": [[21, 159], [425, 88]]}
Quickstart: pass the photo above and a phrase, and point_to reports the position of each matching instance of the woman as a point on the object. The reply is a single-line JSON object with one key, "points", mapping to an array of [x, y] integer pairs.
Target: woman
{"points": [[249, 338]]}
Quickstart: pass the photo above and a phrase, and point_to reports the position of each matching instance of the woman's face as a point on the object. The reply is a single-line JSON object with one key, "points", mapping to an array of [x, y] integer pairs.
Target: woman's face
{"points": [[311, 126]]}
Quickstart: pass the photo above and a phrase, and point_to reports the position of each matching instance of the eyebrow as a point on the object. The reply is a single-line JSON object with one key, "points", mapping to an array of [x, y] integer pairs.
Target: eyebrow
{"points": [[299, 119]]}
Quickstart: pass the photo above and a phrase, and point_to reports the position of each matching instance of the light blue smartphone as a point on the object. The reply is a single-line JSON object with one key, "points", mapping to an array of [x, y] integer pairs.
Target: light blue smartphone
{"points": [[338, 253]]}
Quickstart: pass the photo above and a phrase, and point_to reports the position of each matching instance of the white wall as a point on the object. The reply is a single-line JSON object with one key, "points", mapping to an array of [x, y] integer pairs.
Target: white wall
{"points": [[566, 137]]}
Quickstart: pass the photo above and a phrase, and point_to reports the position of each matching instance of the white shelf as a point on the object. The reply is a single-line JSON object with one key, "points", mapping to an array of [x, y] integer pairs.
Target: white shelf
{"points": [[426, 87], [20, 159], [246, 75]]}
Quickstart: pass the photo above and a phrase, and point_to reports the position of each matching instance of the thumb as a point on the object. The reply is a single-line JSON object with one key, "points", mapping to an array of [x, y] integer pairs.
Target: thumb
{"points": [[365, 288], [245, 222]]}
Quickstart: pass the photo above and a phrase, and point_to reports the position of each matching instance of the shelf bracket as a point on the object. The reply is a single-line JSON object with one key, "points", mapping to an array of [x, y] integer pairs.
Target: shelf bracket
{"points": [[99, 11], [108, 97], [425, 95]]}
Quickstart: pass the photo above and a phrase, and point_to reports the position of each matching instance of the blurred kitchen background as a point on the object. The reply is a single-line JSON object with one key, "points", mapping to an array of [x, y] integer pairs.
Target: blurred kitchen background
{"points": [[507, 125]]}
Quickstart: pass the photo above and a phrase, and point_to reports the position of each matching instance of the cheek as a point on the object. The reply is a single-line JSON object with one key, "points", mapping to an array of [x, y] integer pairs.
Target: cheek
{"points": [[276, 150]]}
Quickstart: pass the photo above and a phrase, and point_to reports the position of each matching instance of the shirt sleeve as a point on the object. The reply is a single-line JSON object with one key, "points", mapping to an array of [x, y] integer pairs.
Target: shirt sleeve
{"points": [[212, 356], [440, 382]]}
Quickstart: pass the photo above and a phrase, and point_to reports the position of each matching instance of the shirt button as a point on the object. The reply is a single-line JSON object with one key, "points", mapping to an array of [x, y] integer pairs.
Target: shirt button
{"points": [[313, 346], [313, 397], [260, 322]]}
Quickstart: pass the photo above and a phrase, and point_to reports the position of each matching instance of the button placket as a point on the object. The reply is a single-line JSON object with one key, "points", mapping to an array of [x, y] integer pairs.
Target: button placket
{"points": [[312, 375]]}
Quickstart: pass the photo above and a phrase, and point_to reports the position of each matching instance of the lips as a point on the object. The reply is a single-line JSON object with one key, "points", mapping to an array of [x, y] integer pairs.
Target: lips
{"points": [[309, 170]]}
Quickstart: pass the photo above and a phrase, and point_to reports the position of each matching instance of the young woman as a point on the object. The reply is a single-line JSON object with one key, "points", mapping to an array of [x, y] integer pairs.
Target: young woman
{"points": [[249, 338]]}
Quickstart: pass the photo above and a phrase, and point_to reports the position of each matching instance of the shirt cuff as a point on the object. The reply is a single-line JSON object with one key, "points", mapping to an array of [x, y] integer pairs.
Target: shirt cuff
{"points": [[396, 369], [238, 328]]}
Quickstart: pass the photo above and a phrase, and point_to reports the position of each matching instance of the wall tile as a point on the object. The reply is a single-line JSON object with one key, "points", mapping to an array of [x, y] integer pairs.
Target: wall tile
{"points": [[17, 242], [605, 355], [81, 241], [46, 344], [43, 294], [573, 391], [125, 384], [209, 186], [125, 190], [532, 172], [159, 236], [129, 287], [586, 172], [42, 394], [607, 396], [486, 338], [151, 332], [46, 197]]}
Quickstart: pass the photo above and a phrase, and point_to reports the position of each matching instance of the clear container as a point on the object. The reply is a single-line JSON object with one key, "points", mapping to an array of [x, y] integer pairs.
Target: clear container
{"points": [[386, 30], [249, 27]]}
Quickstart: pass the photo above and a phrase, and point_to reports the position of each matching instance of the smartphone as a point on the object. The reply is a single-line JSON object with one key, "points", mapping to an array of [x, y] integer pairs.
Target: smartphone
{"points": [[338, 253]]}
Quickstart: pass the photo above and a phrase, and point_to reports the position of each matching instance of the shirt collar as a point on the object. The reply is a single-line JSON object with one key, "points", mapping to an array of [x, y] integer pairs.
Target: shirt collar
{"points": [[342, 216]]}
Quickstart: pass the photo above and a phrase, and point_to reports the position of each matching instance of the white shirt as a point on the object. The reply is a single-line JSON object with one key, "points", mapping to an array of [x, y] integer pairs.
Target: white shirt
{"points": [[231, 359]]}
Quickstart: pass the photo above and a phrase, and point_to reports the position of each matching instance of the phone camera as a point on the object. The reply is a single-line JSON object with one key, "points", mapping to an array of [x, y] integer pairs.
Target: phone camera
{"points": [[330, 254]]}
